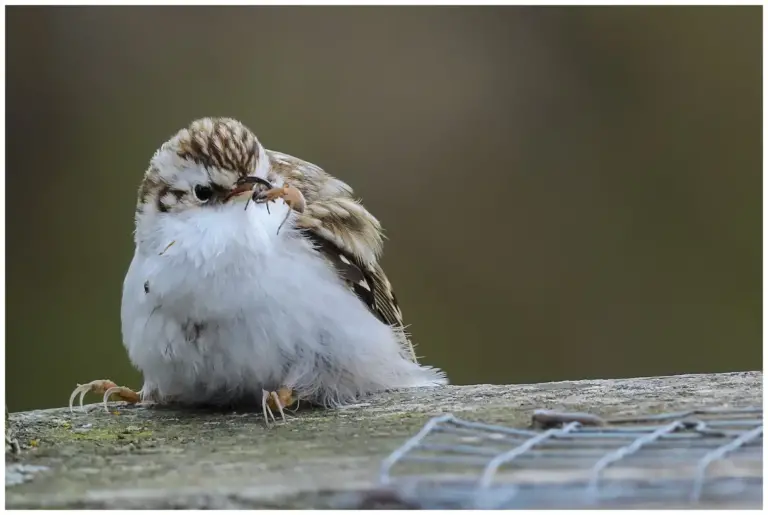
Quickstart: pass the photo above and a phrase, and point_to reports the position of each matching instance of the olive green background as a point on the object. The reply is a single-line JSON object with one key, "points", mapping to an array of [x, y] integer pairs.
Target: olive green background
{"points": [[568, 192]]}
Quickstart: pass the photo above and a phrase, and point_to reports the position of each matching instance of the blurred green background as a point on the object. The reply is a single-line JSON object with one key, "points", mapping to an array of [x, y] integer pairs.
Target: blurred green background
{"points": [[568, 192]]}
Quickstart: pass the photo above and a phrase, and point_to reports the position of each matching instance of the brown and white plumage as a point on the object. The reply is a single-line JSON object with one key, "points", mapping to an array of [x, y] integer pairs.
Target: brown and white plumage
{"points": [[219, 304], [341, 227], [348, 235]]}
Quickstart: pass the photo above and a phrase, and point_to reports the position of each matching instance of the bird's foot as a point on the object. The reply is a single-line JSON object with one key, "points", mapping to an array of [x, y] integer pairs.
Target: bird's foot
{"points": [[106, 388], [277, 401]]}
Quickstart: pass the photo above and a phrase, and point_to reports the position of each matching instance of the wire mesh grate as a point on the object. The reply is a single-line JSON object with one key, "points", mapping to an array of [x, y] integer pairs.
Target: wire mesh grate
{"points": [[578, 460]]}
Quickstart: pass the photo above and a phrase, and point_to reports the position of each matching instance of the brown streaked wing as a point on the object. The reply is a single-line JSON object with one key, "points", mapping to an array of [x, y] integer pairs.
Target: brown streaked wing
{"points": [[346, 234], [369, 283]]}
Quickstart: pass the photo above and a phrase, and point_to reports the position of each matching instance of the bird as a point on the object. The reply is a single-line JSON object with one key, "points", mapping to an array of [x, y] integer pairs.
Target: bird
{"points": [[256, 279]]}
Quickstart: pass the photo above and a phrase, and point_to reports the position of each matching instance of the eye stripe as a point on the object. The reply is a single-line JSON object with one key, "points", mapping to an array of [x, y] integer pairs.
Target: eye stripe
{"points": [[160, 203]]}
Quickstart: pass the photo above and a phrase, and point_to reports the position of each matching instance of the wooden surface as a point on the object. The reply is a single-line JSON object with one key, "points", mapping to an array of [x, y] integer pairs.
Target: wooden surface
{"points": [[143, 457]]}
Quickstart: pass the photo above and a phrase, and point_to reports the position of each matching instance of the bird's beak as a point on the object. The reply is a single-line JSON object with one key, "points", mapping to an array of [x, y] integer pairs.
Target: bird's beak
{"points": [[245, 185], [237, 193]]}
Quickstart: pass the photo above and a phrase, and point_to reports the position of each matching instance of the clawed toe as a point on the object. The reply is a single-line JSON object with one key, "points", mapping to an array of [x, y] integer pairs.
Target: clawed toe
{"points": [[273, 396], [278, 400], [105, 387], [98, 385], [265, 407], [124, 393]]}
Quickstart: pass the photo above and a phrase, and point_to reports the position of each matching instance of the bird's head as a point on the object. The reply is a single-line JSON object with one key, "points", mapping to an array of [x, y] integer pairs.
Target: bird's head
{"points": [[203, 166]]}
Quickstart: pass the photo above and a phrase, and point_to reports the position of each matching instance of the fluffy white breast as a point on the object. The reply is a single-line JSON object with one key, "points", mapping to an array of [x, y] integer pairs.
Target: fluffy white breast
{"points": [[232, 307]]}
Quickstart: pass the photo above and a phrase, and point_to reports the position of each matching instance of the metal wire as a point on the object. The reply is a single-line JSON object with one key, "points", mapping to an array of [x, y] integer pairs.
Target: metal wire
{"points": [[580, 460], [621, 452], [410, 444], [717, 454], [495, 463]]}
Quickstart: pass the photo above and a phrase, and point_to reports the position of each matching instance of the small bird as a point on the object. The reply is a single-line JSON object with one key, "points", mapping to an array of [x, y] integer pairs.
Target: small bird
{"points": [[256, 280]]}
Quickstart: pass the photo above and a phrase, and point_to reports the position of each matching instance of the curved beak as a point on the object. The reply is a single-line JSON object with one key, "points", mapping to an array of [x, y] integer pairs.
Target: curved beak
{"points": [[245, 185]]}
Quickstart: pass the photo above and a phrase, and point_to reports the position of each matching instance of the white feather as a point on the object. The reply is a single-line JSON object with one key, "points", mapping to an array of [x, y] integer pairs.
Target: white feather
{"points": [[271, 312]]}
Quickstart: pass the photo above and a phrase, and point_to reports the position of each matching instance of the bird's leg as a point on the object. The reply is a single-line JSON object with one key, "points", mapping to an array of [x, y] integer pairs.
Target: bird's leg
{"points": [[106, 388], [277, 401], [290, 195]]}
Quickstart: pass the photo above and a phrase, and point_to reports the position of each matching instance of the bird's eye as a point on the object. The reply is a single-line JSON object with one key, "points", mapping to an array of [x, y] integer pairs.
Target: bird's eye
{"points": [[203, 193]]}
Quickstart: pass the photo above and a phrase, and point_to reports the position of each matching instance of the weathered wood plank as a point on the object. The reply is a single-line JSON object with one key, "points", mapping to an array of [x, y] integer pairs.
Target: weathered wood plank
{"points": [[161, 458]]}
